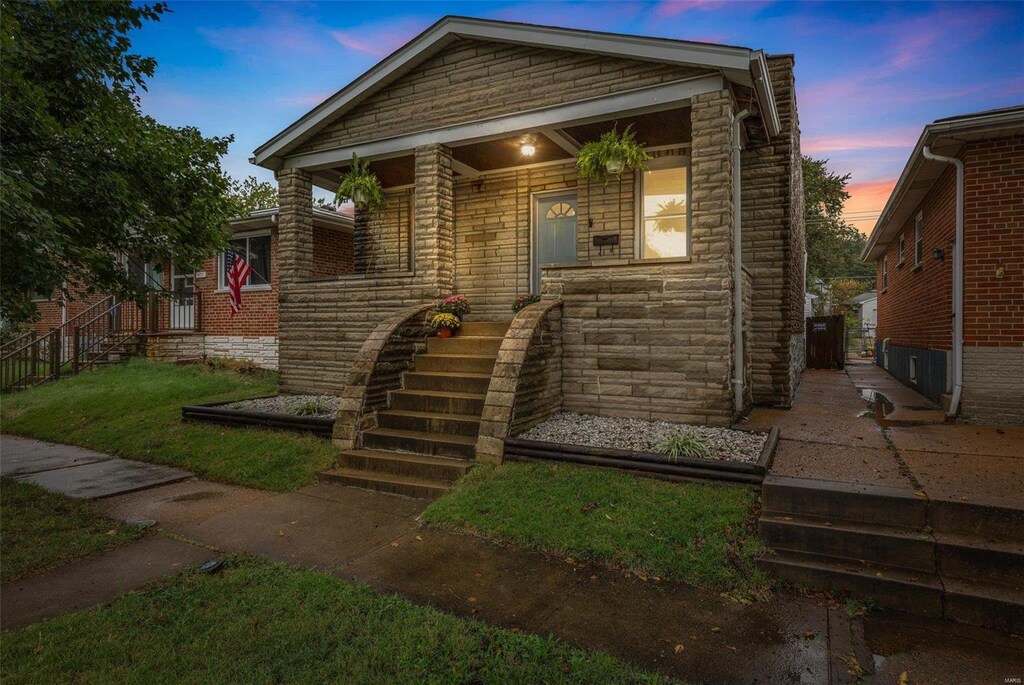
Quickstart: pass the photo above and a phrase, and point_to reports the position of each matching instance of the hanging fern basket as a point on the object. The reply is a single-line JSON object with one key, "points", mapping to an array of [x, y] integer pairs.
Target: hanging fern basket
{"points": [[611, 155], [362, 187]]}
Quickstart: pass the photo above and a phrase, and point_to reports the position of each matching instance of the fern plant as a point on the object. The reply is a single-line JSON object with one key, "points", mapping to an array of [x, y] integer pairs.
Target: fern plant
{"points": [[686, 443], [362, 187], [613, 153]]}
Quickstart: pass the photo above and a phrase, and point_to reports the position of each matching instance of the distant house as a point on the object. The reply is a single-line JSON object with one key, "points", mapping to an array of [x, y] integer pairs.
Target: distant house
{"points": [[865, 306], [189, 316], [949, 246]]}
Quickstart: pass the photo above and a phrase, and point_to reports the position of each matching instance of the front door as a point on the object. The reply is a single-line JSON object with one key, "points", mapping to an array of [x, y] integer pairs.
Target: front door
{"points": [[554, 232], [183, 287]]}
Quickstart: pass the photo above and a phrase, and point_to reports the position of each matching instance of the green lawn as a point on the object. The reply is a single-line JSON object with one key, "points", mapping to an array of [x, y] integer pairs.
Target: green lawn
{"points": [[691, 532], [133, 410], [41, 529], [259, 622]]}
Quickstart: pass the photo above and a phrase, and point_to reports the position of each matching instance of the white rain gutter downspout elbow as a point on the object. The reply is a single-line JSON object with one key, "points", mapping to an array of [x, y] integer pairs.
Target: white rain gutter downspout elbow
{"points": [[958, 279], [737, 265]]}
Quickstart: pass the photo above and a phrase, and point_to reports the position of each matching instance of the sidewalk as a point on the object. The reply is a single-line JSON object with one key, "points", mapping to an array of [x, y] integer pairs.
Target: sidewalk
{"points": [[376, 539]]}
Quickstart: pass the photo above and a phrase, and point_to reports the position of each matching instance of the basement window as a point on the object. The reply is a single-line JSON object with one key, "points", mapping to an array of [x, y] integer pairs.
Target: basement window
{"points": [[913, 369], [665, 208]]}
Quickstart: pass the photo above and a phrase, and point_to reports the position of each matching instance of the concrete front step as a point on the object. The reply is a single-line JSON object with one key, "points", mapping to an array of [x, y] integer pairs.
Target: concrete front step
{"points": [[965, 557], [430, 422], [455, 363], [437, 401], [906, 549], [442, 469], [437, 444], [913, 592], [464, 344], [408, 486], [984, 604], [442, 382], [980, 519], [843, 502], [496, 329]]}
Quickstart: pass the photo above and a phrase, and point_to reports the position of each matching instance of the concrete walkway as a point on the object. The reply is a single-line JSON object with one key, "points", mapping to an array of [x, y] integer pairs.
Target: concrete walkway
{"points": [[377, 539]]}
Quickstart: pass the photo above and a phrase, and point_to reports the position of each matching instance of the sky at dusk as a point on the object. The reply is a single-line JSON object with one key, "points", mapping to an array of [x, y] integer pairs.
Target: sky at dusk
{"points": [[869, 75]]}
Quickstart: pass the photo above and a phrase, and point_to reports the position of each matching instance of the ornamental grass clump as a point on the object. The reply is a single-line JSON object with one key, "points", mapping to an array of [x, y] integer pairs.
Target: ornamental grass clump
{"points": [[686, 443], [456, 305], [524, 301]]}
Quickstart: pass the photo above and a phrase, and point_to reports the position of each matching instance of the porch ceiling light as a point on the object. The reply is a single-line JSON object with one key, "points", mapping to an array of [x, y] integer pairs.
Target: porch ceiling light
{"points": [[528, 150]]}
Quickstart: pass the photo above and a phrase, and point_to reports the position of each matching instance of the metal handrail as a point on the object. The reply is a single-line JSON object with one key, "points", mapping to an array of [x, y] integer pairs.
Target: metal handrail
{"points": [[13, 342]]}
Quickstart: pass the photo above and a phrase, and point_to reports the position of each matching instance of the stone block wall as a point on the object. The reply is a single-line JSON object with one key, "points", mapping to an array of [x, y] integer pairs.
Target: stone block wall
{"points": [[993, 392], [175, 347], [383, 240], [539, 393], [774, 246]]}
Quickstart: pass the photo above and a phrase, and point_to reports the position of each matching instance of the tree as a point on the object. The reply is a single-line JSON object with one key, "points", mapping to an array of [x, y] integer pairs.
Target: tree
{"points": [[252, 194], [86, 178], [833, 246]]}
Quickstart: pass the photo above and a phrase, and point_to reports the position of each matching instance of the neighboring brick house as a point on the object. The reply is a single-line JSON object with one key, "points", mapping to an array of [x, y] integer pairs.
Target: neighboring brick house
{"points": [[914, 244], [473, 127], [196, 321]]}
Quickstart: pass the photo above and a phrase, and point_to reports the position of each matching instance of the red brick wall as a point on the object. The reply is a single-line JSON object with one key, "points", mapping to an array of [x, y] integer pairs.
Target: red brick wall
{"points": [[50, 310], [994, 241], [916, 308], [333, 250]]}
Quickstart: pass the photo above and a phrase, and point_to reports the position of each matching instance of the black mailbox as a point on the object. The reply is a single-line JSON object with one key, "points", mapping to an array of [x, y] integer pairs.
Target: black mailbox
{"points": [[607, 240]]}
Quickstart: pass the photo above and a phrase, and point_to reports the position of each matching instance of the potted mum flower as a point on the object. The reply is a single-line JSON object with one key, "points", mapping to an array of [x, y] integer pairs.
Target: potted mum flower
{"points": [[445, 324], [524, 301], [456, 305]]}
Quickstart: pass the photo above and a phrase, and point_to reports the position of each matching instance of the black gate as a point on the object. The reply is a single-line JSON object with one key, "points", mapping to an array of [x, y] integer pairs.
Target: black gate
{"points": [[826, 342]]}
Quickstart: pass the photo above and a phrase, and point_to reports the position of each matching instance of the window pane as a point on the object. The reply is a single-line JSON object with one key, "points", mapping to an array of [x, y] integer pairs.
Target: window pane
{"points": [[665, 238], [666, 221], [259, 260], [237, 245]]}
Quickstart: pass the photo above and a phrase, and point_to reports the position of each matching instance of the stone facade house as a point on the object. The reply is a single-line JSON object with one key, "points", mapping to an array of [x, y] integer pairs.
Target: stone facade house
{"points": [[673, 293], [196, 321], [949, 246]]}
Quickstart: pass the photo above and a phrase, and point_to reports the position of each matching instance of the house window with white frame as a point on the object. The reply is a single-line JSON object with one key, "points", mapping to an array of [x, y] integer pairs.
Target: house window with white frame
{"points": [[899, 262], [919, 240], [665, 208], [885, 273], [255, 249]]}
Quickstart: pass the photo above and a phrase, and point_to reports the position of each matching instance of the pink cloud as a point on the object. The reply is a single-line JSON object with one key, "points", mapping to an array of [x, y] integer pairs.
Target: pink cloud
{"points": [[379, 39], [866, 201], [827, 144], [304, 99], [358, 45]]}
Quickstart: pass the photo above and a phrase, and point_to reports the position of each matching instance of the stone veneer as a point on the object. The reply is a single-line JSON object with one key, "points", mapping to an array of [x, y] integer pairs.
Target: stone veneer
{"points": [[526, 385], [172, 347], [992, 385]]}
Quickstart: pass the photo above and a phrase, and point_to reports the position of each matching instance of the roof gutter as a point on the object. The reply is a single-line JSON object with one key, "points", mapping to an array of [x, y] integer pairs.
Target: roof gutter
{"points": [[958, 279]]}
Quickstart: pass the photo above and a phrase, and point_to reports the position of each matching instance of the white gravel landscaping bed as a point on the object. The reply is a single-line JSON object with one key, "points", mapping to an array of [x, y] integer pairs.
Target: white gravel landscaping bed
{"points": [[326, 405], [641, 436]]}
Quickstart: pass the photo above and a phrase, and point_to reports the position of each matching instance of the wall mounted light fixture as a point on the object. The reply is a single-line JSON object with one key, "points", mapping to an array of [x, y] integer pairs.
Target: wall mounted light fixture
{"points": [[938, 254]]}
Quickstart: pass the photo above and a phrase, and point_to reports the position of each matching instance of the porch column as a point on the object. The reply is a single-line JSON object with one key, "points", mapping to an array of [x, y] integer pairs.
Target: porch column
{"points": [[434, 222], [711, 198], [295, 225]]}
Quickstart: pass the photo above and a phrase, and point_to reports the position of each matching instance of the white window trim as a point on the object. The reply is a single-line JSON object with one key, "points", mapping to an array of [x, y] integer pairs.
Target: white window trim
{"points": [[222, 276], [663, 162], [885, 273], [902, 249], [919, 240]]}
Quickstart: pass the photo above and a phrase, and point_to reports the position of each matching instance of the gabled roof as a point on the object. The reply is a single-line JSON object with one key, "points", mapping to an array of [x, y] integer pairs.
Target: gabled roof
{"points": [[944, 137], [741, 65]]}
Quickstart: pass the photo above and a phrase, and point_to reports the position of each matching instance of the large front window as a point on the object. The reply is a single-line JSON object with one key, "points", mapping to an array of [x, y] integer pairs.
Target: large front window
{"points": [[255, 249], [665, 221]]}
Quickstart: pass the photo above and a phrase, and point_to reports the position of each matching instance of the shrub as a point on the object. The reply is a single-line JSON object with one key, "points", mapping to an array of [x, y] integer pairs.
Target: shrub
{"points": [[445, 320], [524, 301], [684, 443], [456, 305]]}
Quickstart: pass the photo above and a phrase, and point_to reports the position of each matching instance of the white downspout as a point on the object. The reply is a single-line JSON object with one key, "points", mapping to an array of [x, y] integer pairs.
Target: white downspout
{"points": [[737, 265], [958, 279]]}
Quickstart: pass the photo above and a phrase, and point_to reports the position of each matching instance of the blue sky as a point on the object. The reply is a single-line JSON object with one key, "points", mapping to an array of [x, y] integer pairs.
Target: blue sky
{"points": [[869, 75]]}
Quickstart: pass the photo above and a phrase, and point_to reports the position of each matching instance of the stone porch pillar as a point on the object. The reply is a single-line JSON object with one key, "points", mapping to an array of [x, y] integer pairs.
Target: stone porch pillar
{"points": [[295, 225], [711, 207], [434, 222]]}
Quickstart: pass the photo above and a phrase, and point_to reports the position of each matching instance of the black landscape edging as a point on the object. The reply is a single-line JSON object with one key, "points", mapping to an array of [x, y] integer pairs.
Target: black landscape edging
{"points": [[645, 463], [217, 413]]}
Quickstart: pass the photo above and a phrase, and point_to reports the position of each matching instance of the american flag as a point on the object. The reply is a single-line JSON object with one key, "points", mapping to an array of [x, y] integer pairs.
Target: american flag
{"points": [[238, 273]]}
